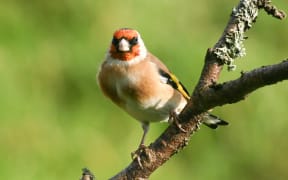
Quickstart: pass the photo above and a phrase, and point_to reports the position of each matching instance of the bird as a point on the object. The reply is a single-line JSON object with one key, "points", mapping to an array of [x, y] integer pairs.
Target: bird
{"points": [[141, 84]]}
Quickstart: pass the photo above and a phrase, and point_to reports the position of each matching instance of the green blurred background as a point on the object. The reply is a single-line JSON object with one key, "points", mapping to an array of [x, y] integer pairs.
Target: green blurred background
{"points": [[54, 120]]}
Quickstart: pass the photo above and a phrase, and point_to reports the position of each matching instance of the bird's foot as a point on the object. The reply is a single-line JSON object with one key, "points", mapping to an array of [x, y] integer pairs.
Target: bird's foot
{"points": [[174, 119], [135, 155]]}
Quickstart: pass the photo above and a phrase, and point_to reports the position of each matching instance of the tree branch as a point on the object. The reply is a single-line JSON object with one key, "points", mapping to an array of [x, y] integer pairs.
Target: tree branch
{"points": [[236, 90], [208, 94]]}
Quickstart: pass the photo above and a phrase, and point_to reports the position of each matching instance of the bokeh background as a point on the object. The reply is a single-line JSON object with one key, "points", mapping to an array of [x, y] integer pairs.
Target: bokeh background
{"points": [[54, 120]]}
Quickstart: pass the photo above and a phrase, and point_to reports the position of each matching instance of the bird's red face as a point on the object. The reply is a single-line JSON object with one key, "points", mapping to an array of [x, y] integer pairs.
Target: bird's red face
{"points": [[125, 44]]}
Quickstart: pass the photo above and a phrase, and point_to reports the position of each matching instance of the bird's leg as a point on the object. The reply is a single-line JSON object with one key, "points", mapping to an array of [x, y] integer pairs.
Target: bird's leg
{"points": [[145, 127], [141, 147], [173, 118]]}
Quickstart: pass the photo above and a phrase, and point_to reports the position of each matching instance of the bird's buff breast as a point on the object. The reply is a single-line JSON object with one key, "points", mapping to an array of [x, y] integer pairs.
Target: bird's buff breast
{"points": [[141, 102], [142, 95], [148, 101]]}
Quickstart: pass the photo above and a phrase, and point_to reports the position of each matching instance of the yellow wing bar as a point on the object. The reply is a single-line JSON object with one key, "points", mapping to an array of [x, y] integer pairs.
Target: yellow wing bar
{"points": [[175, 83]]}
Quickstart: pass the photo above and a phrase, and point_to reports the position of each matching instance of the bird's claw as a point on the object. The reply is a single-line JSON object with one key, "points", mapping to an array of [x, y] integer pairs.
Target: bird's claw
{"points": [[135, 155], [174, 119]]}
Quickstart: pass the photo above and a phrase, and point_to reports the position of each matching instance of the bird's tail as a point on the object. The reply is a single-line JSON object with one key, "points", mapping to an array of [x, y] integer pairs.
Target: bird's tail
{"points": [[213, 121]]}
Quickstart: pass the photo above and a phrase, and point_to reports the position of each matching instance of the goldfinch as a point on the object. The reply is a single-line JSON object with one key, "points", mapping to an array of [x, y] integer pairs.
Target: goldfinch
{"points": [[140, 84]]}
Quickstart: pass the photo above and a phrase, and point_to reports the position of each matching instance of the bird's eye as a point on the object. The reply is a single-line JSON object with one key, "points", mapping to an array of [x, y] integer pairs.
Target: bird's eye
{"points": [[133, 41], [115, 41]]}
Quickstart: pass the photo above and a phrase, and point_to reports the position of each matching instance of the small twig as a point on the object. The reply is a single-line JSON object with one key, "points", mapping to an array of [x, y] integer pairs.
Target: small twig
{"points": [[87, 175], [271, 9]]}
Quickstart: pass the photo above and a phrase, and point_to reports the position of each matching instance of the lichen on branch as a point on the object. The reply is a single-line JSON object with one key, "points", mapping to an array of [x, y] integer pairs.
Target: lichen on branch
{"points": [[232, 47]]}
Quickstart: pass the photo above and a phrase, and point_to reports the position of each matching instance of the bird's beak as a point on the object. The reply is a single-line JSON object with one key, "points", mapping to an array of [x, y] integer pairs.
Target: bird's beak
{"points": [[123, 45]]}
